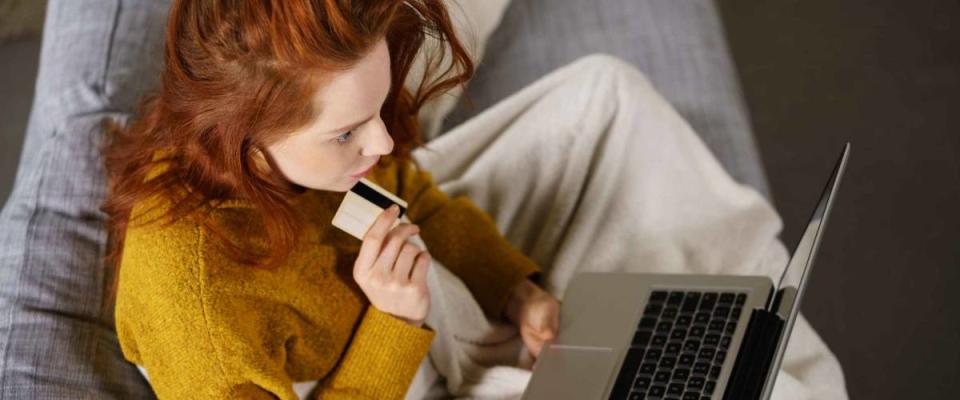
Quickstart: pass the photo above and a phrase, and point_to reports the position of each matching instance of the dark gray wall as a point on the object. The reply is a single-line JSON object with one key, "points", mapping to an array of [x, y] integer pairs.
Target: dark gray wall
{"points": [[884, 75], [18, 71]]}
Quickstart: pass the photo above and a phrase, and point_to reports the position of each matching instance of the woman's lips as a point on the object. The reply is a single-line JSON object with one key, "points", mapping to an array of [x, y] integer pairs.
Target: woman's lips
{"points": [[365, 172]]}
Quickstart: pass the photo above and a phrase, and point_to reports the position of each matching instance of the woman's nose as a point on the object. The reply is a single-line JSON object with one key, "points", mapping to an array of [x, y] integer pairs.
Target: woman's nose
{"points": [[378, 142]]}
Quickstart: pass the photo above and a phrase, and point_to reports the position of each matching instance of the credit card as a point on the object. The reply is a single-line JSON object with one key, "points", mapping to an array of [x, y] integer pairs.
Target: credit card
{"points": [[362, 205]]}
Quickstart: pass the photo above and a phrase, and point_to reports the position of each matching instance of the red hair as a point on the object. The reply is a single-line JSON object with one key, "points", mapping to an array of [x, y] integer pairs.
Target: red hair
{"points": [[240, 74]]}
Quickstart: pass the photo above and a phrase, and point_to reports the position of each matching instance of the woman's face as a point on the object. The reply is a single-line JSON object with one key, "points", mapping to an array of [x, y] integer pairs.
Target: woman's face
{"points": [[347, 138]]}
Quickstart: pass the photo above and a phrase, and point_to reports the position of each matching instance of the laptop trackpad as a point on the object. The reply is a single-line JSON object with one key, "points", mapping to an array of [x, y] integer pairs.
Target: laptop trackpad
{"points": [[571, 372]]}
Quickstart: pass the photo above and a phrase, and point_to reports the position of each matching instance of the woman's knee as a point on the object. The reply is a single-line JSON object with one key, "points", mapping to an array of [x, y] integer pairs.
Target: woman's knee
{"points": [[607, 82], [613, 71]]}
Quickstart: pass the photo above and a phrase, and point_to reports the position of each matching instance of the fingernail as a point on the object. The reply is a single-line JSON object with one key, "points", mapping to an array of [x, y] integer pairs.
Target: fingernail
{"points": [[395, 209]]}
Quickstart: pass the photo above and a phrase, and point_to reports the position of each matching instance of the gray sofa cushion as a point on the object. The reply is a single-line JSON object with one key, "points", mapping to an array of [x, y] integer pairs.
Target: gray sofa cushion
{"points": [[99, 57], [679, 45], [56, 335]]}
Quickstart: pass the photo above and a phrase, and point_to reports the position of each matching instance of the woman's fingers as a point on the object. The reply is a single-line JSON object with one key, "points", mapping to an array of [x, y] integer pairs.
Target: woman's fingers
{"points": [[373, 240], [392, 272], [420, 268], [404, 264], [534, 344], [396, 239]]}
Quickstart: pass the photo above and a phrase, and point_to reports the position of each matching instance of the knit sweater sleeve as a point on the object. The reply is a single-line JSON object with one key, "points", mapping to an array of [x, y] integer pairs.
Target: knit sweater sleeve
{"points": [[381, 361], [465, 239], [201, 340]]}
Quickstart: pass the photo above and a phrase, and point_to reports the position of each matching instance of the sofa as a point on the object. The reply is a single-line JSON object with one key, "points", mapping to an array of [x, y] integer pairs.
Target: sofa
{"points": [[100, 56]]}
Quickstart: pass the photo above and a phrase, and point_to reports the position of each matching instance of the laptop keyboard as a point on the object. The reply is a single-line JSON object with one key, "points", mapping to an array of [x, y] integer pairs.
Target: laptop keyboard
{"points": [[679, 346]]}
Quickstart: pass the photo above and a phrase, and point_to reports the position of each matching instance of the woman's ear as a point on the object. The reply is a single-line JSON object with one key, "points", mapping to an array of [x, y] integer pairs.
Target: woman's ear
{"points": [[260, 161]]}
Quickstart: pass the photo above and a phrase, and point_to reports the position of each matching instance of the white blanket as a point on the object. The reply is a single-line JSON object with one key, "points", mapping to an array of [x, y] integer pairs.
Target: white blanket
{"points": [[589, 169]]}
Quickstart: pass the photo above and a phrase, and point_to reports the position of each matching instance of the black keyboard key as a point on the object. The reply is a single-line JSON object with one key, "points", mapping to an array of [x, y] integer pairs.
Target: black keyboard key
{"points": [[681, 374], [716, 326], [675, 298], [668, 362], [622, 386], [652, 310], [714, 372], [741, 298], [658, 296], [735, 313], [721, 312], [635, 396], [695, 382], [648, 368], [632, 361], [691, 345], [721, 356], [701, 318], [731, 328], [712, 339], [675, 389], [662, 377], [641, 383], [640, 339], [686, 360], [678, 334], [701, 368], [658, 341], [708, 301], [654, 354], [709, 387], [725, 342], [683, 320], [673, 348], [690, 302], [666, 326], [706, 353], [696, 331], [726, 298], [647, 324], [669, 313], [691, 396], [656, 391]]}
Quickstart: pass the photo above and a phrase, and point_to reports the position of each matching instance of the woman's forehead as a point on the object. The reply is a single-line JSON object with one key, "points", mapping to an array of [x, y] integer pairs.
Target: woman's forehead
{"points": [[356, 92]]}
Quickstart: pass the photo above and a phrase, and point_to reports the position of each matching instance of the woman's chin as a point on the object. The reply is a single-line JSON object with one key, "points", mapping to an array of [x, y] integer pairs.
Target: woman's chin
{"points": [[341, 186], [348, 184]]}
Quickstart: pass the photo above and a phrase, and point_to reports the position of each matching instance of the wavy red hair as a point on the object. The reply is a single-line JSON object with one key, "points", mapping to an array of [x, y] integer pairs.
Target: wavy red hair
{"points": [[240, 74]]}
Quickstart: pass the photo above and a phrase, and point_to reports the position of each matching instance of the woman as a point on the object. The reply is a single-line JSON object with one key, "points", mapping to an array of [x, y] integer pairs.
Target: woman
{"points": [[232, 282]]}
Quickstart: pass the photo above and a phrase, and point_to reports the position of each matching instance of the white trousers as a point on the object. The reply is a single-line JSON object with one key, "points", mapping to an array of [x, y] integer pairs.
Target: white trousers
{"points": [[589, 169]]}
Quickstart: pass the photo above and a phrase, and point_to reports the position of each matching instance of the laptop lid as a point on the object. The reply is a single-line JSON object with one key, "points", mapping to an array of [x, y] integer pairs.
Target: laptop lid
{"points": [[793, 281], [768, 330]]}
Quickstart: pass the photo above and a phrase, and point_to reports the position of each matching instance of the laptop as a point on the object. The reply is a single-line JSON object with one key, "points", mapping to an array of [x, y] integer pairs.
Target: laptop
{"points": [[665, 336]]}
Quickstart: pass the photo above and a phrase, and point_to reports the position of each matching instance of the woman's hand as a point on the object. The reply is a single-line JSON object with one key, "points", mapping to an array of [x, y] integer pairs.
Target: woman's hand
{"points": [[393, 273], [536, 314]]}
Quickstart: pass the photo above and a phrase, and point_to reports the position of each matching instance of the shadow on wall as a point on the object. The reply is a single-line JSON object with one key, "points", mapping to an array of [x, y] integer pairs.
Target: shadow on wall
{"points": [[20, 18], [21, 22]]}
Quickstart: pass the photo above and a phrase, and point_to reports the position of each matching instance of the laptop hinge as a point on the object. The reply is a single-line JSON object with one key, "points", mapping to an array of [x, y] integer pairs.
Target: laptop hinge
{"points": [[756, 353]]}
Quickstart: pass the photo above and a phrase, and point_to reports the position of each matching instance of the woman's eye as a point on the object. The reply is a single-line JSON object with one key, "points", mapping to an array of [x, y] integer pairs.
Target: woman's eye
{"points": [[344, 137]]}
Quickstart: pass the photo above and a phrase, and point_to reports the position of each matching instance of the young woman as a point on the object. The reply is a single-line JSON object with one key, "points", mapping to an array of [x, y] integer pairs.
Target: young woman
{"points": [[232, 282]]}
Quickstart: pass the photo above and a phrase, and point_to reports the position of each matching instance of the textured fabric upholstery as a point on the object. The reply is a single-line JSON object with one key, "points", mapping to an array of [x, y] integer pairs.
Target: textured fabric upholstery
{"points": [[100, 56], [679, 45]]}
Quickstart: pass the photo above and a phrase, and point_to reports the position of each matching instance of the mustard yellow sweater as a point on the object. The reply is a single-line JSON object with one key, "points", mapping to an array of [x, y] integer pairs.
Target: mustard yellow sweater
{"points": [[205, 327]]}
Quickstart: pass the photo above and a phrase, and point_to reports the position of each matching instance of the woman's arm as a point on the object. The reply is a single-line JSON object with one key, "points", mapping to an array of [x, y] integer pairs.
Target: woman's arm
{"points": [[203, 340], [381, 361], [465, 239]]}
